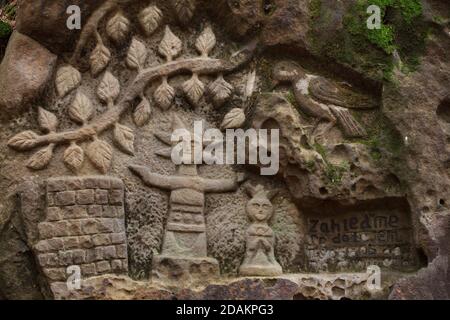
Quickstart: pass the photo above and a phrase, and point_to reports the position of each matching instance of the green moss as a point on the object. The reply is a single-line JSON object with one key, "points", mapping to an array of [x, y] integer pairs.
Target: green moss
{"points": [[315, 7], [265, 68], [321, 150], [310, 165], [356, 24], [385, 144], [439, 19], [410, 9], [370, 51], [291, 98], [333, 172], [5, 29]]}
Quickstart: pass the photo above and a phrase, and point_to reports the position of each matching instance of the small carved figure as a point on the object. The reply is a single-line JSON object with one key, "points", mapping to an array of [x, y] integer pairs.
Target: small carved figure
{"points": [[323, 99], [260, 256]]}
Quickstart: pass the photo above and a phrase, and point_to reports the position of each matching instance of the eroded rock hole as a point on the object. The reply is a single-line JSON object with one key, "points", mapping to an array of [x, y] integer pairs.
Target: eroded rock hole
{"points": [[422, 257], [443, 110], [268, 7], [323, 191]]}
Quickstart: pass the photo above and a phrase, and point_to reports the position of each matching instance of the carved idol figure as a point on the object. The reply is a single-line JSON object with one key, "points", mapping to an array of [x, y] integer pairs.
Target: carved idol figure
{"points": [[259, 256], [185, 234], [323, 99]]}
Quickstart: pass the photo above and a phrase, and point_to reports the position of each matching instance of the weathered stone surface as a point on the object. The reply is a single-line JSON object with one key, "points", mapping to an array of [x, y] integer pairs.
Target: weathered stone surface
{"points": [[25, 71], [432, 282], [295, 286], [363, 168], [175, 270], [46, 22]]}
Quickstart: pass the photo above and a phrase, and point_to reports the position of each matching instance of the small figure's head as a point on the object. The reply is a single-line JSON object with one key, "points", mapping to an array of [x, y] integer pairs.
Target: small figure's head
{"points": [[259, 208], [286, 71]]}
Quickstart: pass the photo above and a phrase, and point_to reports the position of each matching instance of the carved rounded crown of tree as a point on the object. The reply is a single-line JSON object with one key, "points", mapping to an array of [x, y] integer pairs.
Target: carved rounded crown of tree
{"points": [[118, 100]]}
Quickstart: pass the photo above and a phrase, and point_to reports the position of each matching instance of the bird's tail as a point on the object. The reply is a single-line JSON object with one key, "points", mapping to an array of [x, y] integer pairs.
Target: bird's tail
{"points": [[350, 127]]}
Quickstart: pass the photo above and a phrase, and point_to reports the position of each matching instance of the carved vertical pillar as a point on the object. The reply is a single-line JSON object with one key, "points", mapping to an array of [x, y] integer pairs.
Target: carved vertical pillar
{"points": [[184, 252]]}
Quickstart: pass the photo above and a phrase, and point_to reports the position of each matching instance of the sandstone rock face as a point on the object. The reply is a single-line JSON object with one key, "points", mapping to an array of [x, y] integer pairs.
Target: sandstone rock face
{"points": [[45, 21], [326, 287], [25, 72], [350, 177]]}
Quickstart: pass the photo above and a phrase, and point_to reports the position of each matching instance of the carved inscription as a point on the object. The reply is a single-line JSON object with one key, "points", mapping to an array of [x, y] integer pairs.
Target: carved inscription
{"points": [[359, 240]]}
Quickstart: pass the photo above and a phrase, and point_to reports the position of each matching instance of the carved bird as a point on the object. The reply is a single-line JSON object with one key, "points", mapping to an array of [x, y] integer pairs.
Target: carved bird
{"points": [[323, 99]]}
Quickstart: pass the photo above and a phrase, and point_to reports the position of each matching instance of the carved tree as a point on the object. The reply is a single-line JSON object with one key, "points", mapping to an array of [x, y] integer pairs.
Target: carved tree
{"points": [[119, 100]]}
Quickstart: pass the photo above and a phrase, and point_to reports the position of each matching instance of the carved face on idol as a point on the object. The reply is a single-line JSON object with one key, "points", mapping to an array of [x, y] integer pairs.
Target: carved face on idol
{"points": [[259, 209]]}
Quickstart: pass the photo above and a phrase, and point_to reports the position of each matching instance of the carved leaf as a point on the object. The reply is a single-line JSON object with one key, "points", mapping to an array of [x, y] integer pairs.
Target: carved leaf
{"points": [[220, 91], [194, 89], [137, 54], [41, 159], [150, 19], [67, 79], [109, 88], [81, 109], [74, 157], [47, 120], [206, 41], [185, 9], [124, 137], [99, 59], [100, 153], [233, 119], [164, 95], [142, 113], [170, 46], [118, 27], [23, 141]]}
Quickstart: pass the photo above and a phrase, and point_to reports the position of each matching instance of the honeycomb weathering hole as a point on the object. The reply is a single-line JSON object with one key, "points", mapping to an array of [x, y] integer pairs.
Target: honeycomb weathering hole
{"points": [[443, 110]]}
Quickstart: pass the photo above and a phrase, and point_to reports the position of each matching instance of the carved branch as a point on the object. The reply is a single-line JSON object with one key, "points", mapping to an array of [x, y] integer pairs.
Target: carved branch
{"points": [[69, 78], [200, 65], [91, 26]]}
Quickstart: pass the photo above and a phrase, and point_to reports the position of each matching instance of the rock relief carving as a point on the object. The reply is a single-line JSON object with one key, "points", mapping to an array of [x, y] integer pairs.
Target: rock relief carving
{"points": [[259, 257], [184, 244], [82, 225], [324, 100], [118, 99]]}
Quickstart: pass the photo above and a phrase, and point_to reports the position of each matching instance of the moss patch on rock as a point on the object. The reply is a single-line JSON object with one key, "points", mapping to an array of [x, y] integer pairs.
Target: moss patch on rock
{"points": [[5, 30], [386, 145], [370, 51], [333, 172]]}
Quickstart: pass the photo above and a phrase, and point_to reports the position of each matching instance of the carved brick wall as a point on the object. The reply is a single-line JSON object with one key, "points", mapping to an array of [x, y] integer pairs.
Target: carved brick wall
{"points": [[84, 226]]}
